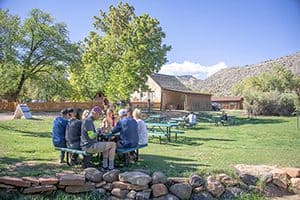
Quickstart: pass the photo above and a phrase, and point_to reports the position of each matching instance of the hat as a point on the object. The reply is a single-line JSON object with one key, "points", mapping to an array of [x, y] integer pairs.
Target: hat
{"points": [[122, 112], [97, 109], [64, 111]]}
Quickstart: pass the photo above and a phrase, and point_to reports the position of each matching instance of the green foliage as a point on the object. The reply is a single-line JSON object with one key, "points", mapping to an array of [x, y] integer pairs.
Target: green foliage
{"points": [[271, 93], [32, 49], [118, 60]]}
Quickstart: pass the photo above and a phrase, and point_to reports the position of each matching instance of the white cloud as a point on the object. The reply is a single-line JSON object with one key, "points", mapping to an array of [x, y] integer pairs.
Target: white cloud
{"points": [[189, 68]]}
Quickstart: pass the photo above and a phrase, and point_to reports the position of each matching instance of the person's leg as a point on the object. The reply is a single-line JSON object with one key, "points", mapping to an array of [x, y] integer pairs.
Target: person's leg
{"points": [[111, 154]]}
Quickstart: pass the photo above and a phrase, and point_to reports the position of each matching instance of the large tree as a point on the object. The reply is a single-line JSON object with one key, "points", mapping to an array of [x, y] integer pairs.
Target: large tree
{"points": [[37, 48], [121, 53]]}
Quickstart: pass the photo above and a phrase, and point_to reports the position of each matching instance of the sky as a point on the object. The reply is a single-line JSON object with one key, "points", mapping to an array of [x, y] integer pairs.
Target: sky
{"points": [[205, 35]]}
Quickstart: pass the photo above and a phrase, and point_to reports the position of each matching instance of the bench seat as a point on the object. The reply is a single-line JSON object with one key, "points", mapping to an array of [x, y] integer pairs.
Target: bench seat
{"points": [[159, 134], [176, 132]]}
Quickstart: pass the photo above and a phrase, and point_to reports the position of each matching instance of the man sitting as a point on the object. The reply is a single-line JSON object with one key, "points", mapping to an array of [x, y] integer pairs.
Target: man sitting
{"points": [[59, 132], [73, 132], [89, 140], [192, 119], [128, 128]]}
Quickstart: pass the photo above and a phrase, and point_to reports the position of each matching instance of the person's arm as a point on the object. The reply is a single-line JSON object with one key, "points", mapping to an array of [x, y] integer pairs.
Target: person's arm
{"points": [[117, 128]]}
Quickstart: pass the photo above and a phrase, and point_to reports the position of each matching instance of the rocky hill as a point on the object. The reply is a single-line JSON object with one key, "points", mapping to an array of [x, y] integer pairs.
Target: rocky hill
{"points": [[220, 83]]}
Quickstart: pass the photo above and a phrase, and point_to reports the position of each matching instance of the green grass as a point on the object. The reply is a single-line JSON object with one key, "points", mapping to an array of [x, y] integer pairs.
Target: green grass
{"points": [[26, 147]]}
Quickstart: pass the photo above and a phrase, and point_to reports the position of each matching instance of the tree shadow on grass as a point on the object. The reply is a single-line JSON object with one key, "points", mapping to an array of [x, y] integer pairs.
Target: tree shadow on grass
{"points": [[21, 166], [27, 133], [170, 166]]}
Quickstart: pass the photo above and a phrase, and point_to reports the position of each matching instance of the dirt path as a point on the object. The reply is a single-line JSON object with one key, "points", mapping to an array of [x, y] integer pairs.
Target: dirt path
{"points": [[9, 115]]}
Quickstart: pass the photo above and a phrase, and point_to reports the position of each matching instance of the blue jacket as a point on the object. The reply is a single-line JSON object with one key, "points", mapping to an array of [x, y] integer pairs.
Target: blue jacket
{"points": [[128, 129], [59, 131]]}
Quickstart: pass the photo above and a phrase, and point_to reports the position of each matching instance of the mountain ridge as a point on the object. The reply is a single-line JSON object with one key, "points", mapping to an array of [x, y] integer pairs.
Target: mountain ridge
{"points": [[220, 83]]}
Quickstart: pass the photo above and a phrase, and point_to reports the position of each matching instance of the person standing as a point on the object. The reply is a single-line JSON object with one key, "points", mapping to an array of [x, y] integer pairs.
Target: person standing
{"points": [[89, 140], [59, 132]]}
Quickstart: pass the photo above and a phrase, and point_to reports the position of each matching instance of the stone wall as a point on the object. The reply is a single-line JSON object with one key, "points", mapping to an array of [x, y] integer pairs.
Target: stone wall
{"points": [[141, 184]]}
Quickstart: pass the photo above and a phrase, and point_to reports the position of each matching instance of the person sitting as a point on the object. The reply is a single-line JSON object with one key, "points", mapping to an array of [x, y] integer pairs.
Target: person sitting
{"points": [[128, 129], [59, 132], [109, 121], [90, 144], [85, 114], [192, 119], [73, 132], [142, 128], [224, 117]]}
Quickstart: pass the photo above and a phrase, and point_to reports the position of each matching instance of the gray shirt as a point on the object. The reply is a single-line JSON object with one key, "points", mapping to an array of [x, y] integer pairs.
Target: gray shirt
{"points": [[73, 133], [88, 133]]}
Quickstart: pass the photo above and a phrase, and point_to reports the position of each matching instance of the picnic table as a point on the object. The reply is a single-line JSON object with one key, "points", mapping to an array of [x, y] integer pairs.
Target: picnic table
{"points": [[157, 118], [164, 129]]}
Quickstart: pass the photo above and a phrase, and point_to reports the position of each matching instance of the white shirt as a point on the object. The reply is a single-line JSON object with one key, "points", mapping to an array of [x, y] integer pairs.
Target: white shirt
{"points": [[192, 118], [142, 131]]}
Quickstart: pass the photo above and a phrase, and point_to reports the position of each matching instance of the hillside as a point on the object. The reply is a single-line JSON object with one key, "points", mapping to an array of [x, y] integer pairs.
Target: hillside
{"points": [[220, 83]]}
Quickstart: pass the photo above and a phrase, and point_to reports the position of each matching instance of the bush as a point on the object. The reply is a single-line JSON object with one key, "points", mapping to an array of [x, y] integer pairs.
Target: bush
{"points": [[274, 103]]}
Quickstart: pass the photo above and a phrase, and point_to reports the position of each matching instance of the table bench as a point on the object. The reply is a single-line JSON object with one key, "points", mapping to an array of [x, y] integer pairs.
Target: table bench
{"points": [[160, 134], [124, 151]]}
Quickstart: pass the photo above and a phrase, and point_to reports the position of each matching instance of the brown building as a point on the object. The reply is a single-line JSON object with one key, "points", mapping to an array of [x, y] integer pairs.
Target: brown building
{"points": [[172, 94], [229, 102]]}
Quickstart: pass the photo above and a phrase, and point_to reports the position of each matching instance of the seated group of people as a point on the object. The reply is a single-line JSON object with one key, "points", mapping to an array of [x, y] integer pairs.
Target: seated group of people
{"points": [[76, 130]]}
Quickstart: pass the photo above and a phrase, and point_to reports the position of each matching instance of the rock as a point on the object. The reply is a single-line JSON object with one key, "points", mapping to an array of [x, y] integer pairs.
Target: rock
{"points": [[113, 198], [167, 197], [14, 181], [148, 172], [6, 186], [119, 193], [159, 177], [80, 188], [267, 178], [142, 195], [214, 187], [39, 189], [196, 180], [71, 179], [159, 190], [181, 190], [108, 186], [32, 180], [295, 183], [131, 194], [100, 184], [271, 190], [111, 176], [202, 196], [292, 172], [254, 170], [174, 180], [98, 192], [92, 174], [280, 178], [232, 193], [248, 179], [136, 178], [199, 189], [48, 181], [227, 180], [138, 187], [121, 185]]}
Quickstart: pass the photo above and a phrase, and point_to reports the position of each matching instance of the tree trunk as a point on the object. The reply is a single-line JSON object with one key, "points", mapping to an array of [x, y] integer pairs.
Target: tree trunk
{"points": [[14, 95]]}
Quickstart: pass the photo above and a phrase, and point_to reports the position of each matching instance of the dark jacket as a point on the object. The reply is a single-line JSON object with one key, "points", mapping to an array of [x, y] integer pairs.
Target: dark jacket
{"points": [[128, 129], [88, 133], [59, 131], [73, 132]]}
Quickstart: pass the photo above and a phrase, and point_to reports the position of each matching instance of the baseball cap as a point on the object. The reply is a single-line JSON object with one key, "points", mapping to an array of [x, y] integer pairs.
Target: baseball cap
{"points": [[122, 112], [97, 109]]}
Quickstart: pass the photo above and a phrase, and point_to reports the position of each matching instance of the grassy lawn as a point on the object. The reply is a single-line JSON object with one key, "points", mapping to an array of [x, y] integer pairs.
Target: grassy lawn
{"points": [[26, 147]]}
